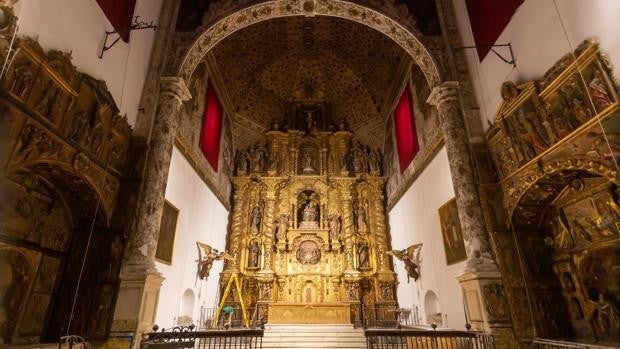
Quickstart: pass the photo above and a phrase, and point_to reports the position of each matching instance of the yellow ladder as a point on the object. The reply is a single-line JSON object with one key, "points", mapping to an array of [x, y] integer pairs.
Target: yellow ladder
{"points": [[233, 278]]}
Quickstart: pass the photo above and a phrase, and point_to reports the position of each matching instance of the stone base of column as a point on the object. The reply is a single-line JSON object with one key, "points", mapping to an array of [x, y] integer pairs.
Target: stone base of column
{"points": [[486, 306], [136, 304]]}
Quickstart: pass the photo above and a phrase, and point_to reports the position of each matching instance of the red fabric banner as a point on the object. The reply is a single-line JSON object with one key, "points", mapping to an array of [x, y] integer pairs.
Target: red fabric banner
{"points": [[404, 126], [488, 19], [120, 14], [211, 128]]}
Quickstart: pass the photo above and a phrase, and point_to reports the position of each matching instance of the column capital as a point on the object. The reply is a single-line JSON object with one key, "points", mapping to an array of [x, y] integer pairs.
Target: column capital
{"points": [[175, 87], [447, 91]]}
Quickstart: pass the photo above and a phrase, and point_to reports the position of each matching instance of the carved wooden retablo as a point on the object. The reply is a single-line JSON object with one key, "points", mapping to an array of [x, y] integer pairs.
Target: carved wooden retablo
{"points": [[309, 225]]}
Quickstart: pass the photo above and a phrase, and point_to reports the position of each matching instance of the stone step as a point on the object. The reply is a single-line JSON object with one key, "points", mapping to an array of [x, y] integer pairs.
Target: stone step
{"points": [[336, 336]]}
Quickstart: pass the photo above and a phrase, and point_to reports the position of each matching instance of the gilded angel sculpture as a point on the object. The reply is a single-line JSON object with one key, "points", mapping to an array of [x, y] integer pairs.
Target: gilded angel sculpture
{"points": [[411, 257], [206, 256]]}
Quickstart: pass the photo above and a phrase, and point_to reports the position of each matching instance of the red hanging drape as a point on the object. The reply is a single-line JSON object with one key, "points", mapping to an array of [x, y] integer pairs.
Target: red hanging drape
{"points": [[488, 19], [404, 125], [119, 13], [211, 127]]}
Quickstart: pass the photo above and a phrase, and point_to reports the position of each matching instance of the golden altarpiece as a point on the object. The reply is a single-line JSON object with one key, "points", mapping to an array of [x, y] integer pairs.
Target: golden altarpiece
{"points": [[554, 207], [63, 148], [308, 226]]}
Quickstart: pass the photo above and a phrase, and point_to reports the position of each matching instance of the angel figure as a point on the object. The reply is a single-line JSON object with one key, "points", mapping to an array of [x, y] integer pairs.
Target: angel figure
{"points": [[411, 257], [206, 256]]}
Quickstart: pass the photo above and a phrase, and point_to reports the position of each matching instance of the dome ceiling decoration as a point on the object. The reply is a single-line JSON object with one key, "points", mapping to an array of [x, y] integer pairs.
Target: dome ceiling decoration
{"points": [[268, 69]]}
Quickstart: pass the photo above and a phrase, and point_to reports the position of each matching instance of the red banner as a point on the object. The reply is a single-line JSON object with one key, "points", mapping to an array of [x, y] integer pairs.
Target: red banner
{"points": [[120, 14], [211, 128], [404, 125], [488, 19]]}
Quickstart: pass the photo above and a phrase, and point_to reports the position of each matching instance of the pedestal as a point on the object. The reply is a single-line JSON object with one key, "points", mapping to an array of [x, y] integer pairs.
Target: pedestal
{"points": [[486, 306], [136, 304]]}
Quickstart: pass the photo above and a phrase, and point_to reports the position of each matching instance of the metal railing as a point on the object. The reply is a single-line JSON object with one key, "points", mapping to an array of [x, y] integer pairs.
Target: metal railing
{"points": [[186, 337], [381, 317], [427, 339], [555, 344]]}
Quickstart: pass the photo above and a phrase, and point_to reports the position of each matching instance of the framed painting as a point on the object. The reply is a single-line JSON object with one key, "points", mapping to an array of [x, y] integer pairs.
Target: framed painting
{"points": [[451, 232], [167, 231]]}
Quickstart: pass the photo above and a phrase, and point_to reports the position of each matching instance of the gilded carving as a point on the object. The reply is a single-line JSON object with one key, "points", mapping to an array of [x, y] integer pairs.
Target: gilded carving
{"points": [[312, 229], [559, 189]]}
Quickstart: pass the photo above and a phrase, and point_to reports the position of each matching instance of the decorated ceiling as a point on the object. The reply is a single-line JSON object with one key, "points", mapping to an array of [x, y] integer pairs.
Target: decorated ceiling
{"points": [[268, 69]]}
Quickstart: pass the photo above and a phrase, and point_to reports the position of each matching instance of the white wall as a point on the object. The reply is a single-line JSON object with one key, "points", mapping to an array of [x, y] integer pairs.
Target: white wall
{"points": [[79, 26], [201, 218], [541, 32], [415, 219]]}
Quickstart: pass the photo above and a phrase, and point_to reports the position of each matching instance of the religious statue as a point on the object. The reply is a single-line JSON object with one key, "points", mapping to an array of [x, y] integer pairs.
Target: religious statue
{"points": [[23, 79], [358, 158], [374, 162], [242, 163], [598, 91], [255, 220], [253, 254], [258, 160], [206, 256], [363, 255], [411, 257], [310, 213], [334, 227], [306, 163], [282, 227], [273, 162], [608, 318], [360, 219]]}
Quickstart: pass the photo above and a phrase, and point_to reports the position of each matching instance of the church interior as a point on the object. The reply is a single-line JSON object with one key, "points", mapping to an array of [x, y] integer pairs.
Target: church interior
{"points": [[309, 174]]}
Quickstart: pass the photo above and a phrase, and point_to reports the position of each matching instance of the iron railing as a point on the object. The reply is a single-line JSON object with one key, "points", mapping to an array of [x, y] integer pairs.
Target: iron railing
{"points": [[382, 317], [555, 344], [427, 339], [224, 321], [186, 337]]}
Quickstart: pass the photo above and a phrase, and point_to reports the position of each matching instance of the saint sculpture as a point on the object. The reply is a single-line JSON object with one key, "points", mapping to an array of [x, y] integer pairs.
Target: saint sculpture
{"points": [[206, 256], [411, 257]]}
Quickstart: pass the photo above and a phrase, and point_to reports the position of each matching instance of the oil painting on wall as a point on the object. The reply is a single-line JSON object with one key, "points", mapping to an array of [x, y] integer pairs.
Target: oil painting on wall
{"points": [[165, 243], [451, 233]]}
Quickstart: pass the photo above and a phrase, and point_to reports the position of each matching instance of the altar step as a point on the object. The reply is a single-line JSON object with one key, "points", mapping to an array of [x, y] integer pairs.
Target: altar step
{"points": [[336, 336]]}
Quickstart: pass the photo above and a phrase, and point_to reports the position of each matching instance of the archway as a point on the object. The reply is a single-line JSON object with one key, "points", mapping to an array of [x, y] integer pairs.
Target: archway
{"points": [[248, 16], [567, 240], [187, 308], [432, 309]]}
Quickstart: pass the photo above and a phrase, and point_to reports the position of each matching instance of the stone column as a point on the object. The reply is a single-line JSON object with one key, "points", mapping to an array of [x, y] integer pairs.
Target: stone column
{"points": [[483, 293], [446, 99], [140, 280]]}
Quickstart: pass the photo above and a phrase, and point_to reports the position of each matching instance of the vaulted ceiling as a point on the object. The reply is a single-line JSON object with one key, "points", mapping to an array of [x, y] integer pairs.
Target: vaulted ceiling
{"points": [[265, 69]]}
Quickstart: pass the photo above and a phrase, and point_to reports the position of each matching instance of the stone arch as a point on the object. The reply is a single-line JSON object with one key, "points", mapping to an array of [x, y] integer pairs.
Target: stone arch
{"points": [[250, 15]]}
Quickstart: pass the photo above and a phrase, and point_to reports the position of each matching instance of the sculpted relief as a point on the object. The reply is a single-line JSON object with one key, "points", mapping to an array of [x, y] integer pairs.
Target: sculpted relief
{"points": [[554, 146], [61, 135]]}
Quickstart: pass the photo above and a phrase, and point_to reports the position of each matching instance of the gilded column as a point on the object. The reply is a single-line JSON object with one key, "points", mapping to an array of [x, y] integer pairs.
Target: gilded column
{"points": [[236, 227], [348, 227], [269, 226], [446, 99], [481, 282], [377, 208], [140, 280]]}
